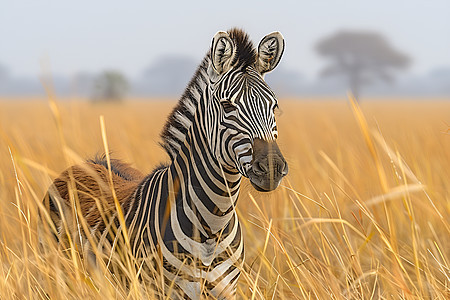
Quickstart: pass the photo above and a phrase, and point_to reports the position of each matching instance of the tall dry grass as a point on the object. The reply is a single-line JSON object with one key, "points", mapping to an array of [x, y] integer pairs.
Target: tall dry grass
{"points": [[363, 213]]}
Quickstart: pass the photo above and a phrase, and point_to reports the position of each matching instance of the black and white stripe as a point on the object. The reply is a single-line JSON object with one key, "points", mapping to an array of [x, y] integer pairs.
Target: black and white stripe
{"points": [[185, 212], [181, 219]]}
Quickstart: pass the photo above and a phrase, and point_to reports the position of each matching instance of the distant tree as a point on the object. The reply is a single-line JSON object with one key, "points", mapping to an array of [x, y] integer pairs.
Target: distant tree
{"points": [[110, 86], [362, 57]]}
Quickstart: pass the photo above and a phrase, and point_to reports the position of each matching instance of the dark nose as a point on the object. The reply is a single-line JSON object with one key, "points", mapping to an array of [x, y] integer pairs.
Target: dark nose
{"points": [[268, 165], [272, 166]]}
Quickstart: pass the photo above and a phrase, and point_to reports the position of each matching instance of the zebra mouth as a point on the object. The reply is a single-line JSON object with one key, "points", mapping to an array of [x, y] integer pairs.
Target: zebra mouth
{"points": [[259, 188], [263, 183]]}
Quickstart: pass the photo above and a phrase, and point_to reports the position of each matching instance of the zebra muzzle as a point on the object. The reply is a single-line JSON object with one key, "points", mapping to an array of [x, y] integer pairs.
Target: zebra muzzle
{"points": [[268, 166]]}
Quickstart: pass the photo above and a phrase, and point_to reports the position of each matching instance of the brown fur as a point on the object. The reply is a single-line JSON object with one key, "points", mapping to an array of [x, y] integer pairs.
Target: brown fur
{"points": [[89, 185]]}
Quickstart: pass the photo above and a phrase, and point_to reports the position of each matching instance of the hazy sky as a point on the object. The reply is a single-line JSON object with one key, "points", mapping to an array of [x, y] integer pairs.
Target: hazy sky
{"points": [[130, 35]]}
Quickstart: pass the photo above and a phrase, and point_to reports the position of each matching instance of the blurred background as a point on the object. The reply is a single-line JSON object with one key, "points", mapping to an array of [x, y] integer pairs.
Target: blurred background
{"points": [[150, 49]]}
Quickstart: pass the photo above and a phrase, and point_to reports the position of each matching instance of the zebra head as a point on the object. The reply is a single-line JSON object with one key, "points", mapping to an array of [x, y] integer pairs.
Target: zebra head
{"points": [[243, 136]]}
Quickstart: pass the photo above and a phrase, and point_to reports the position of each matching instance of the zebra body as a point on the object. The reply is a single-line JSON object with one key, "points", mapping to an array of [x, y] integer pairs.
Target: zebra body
{"points": [[181, 219]]}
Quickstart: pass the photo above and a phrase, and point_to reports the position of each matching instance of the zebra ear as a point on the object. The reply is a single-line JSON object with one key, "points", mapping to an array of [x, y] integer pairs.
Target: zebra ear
{"points": [[222, 52], [270, 50]]}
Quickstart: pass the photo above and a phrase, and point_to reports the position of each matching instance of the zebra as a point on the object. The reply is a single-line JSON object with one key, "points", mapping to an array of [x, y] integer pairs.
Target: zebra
{"points": [[181, 219]]}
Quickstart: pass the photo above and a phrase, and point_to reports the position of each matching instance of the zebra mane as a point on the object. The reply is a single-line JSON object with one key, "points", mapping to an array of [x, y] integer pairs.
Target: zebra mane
{"points": [[182, 116]]}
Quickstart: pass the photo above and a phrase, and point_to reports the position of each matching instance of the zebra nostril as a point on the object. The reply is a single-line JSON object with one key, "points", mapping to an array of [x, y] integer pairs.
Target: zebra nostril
{"points": [[263, 167], [260, 168], [283, 169]]}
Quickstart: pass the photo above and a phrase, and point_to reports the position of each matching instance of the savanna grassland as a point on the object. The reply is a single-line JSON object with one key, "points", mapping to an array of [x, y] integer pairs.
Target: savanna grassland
{"points": [[363, 214]]}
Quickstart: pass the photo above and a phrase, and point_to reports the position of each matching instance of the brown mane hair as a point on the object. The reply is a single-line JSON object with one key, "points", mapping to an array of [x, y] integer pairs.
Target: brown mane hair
{"points": [[88, 184]]}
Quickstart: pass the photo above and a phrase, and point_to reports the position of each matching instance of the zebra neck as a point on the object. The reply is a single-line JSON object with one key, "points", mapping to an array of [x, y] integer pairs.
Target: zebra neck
{"points": [[207, 192]]}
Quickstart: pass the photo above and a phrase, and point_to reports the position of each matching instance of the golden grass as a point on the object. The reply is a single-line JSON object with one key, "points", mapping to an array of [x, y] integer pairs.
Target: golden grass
{"points": [[363, 213]]}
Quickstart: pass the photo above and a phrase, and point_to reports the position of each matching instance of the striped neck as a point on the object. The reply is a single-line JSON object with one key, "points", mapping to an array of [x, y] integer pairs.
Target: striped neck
{"points": [[206, 191]]}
